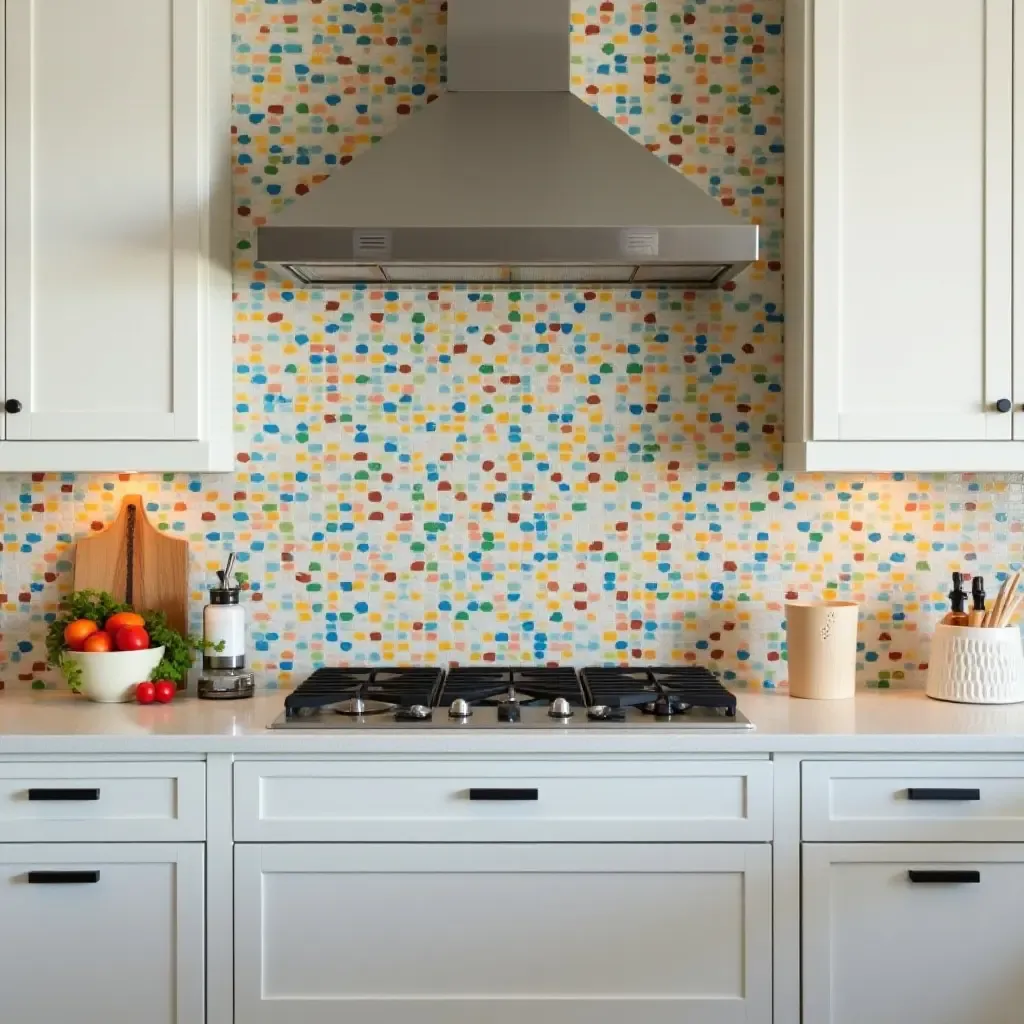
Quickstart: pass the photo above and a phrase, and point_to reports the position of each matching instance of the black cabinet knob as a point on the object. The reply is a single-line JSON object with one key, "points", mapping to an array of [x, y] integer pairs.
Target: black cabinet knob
{"points": [[1004, 405], [12, 405]]}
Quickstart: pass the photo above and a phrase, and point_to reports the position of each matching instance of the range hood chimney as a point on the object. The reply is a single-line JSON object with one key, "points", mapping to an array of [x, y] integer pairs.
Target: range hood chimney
{"points": [[508, 178]]}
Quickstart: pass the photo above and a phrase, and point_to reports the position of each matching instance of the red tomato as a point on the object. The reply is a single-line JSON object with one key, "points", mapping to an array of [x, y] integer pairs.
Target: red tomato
{"points": [[122, 619], [145, 693], [98, 643], [132, 638], [165, 691], [77, 632]]}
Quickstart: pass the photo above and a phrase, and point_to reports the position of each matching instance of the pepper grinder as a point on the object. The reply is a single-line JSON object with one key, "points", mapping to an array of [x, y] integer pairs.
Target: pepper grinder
{"points": [[225, 676]]}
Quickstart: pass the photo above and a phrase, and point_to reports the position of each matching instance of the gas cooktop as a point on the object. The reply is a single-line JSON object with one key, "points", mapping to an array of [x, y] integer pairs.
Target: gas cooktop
{"points": [[502, 698]]}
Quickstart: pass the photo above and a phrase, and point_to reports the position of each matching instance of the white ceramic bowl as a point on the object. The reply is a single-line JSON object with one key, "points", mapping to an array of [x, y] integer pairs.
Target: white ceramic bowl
{"points": [[111, 678]]}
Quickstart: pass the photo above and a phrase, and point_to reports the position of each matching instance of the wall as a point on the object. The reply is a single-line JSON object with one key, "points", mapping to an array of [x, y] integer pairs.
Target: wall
{"points": [[539, 476]]}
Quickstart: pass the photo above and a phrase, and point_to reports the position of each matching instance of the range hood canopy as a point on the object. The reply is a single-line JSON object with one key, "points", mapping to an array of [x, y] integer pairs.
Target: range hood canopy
{"points": [[508, 178]]}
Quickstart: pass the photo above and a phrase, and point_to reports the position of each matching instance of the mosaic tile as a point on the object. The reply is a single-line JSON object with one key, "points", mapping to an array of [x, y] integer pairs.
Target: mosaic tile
{"points": [[570, 476]]}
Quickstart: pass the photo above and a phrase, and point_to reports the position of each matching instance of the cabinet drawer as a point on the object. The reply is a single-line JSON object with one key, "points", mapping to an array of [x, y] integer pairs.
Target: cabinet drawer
{"points": [[95, 801], [933, 801], [474, 801]]}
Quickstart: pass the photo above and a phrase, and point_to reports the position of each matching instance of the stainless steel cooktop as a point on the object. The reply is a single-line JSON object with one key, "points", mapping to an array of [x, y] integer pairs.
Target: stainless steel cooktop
{"points": [[631, 697]]}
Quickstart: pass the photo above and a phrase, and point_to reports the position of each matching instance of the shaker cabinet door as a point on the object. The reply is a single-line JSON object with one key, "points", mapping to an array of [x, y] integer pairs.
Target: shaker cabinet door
{"points": [[101, 934], [116, 275], [466, 933], [900, 241], [921, 932], [913, 242]]}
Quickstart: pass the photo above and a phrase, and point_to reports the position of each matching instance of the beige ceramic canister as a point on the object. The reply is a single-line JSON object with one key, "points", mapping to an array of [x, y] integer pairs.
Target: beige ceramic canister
{"points": [[821, 641]]}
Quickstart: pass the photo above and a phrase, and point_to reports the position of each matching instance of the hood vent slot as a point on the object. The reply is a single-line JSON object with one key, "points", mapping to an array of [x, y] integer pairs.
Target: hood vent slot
{"points": [[640, 244], [370, 245]]}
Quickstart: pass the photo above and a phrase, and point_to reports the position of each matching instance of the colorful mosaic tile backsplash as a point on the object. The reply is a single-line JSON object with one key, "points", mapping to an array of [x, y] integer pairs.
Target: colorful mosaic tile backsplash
{"points": [[536, 476]]}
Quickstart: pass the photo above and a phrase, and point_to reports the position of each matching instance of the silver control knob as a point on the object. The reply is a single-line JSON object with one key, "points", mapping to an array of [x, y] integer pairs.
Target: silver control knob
{"points": [[460, 709], [419, 711], [560, 708], [599, 711]]}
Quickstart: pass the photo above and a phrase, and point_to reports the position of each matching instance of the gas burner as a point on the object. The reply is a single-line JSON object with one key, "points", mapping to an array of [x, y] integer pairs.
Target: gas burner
{"points": [[661, 692], [360, 706], [519, 687], [358, 692]]}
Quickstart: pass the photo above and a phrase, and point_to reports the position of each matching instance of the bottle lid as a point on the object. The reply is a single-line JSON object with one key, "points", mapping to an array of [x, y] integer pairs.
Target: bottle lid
{"points": [[224, 595]]}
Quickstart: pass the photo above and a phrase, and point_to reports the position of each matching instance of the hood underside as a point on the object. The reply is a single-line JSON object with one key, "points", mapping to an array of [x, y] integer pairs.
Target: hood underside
{"points": [[494, 183]]}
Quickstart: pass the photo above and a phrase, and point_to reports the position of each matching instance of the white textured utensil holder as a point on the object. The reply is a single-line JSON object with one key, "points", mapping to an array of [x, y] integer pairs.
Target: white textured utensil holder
{"points": [[976, 666], [821, 646]]}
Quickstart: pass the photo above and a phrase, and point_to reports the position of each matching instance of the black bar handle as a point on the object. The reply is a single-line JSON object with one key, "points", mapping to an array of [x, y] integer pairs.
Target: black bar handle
{"points": [[63, 877], [943, 794], [63, 794], [504, 794], [945, 877]]}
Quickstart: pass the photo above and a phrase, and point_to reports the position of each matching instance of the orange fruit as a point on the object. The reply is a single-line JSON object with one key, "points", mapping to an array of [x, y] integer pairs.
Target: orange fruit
{"points": [[75, 633], [122, 619], [98, 643]]}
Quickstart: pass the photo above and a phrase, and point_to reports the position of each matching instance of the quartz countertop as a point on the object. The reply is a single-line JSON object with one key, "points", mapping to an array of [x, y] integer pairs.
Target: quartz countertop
{"points": [[34, 722]]}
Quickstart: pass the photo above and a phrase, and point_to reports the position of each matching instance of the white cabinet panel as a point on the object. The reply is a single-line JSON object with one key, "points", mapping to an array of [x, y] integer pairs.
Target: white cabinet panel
{"points": [[117, 277], [101, 934], [880, 947], [900, 242], [489, 801], [463, 933]]}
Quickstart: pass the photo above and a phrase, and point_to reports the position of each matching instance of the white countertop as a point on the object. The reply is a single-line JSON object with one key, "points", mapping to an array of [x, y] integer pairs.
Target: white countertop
{"points": [[34, 722]]}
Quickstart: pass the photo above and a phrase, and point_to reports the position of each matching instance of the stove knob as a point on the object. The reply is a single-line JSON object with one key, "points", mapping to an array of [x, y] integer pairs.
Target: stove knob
{"points": [[509, 713], [460, 709], [419, 711], [560, 708], [599, 711]]}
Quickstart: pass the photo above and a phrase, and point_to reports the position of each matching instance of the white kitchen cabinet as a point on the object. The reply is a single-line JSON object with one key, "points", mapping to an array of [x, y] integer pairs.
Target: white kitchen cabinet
{"points": [[920, 932], [900, 236], [464, 933], [101, 934], [117, 325]]}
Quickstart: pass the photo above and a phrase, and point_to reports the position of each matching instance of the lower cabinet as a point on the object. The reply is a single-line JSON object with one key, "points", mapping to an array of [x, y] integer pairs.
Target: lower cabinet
{"points": [[913, 932], [464, 933], [101, 933]]}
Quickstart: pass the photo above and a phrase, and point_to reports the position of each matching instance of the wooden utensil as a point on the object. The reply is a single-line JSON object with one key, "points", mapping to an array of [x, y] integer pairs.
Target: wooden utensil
{"points": [[1007, 593], [1010, 611], [135, 562]]}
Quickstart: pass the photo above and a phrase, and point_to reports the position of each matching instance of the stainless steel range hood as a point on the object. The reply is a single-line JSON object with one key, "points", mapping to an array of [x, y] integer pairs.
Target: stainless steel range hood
{"points": [[508, 178]]}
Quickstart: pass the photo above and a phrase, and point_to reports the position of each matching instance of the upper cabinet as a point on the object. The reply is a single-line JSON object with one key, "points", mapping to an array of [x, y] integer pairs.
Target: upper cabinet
{"points": [[900, 236], [117, 328]]}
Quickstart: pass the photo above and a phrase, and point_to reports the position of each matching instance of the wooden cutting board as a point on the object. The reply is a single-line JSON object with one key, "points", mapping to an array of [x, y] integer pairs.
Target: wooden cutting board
{"points": [[135, 562]]}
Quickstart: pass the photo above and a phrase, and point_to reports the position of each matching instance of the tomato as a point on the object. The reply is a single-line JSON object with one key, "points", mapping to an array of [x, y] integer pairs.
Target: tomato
{"points": [[165, 691], [132, 638], [122, 619], [98, 643], [76, 632], [145, 693]]}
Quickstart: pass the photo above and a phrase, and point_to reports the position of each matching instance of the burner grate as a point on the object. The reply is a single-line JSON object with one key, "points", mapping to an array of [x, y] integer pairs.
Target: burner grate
{"points": [[401, 686], [690, 686], [533, 686]]}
